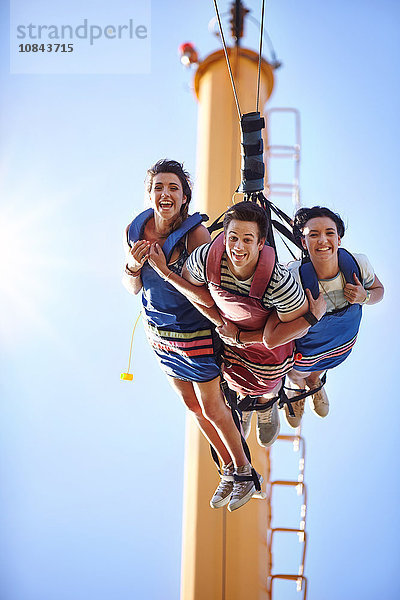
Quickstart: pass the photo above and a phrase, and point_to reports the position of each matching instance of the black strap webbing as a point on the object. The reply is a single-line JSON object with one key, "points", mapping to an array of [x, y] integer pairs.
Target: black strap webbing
{"points": [[252, 125], [231, 399], [253, 149], [304, 394]]}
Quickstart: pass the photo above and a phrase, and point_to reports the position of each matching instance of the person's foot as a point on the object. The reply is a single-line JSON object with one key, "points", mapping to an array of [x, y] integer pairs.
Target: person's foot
{"points": [[268, 426], [223, 492], [319, 403], [246, 423], [243, 489], [298, 409]]}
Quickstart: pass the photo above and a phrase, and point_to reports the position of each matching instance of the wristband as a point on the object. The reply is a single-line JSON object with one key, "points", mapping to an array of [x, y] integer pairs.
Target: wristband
{"points": [[132, 273], [367, 297], [310, 318]]}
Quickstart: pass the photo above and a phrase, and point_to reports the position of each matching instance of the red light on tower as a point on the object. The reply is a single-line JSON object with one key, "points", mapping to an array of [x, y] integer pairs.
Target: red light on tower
{"points": [[188, 54]]}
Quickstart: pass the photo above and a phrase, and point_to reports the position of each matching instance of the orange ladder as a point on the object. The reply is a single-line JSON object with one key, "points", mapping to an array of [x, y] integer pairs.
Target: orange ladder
{"points": [[300, 486], [277, 153]]}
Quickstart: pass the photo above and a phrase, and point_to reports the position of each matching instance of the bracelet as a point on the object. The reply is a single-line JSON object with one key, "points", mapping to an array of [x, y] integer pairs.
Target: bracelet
{"points": [[170, 273], [132, 273], [367, 297], [310, 318]]}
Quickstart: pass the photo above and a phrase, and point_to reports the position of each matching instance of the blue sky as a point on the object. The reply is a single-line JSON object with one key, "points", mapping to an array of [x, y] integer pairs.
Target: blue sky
{"points": [[91, 467]]}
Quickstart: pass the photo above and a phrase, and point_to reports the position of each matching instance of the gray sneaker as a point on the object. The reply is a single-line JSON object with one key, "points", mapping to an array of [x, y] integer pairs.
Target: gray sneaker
{"points": [[268, 426], [246, 423], [243, 491], [224, 490]]}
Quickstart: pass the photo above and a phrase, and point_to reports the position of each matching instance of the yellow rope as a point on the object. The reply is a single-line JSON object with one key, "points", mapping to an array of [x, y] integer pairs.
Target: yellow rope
{"points": [[128, 376]]}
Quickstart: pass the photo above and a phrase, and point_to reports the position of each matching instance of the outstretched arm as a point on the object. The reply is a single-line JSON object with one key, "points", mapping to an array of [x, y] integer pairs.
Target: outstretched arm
{"points": [[275, 332], [283, 329], [196, 293]]}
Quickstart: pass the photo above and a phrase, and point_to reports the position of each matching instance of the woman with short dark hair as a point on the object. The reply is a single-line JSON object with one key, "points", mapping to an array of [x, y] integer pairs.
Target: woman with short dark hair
{"points": [[347, 282]]}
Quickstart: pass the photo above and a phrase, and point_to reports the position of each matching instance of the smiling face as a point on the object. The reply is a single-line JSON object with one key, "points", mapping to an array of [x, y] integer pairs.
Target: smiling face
{"points": [[243, 247], [321, 239], [167, 195]]}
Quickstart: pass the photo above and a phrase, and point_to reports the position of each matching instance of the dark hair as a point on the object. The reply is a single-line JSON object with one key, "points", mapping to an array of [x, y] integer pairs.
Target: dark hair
{"points": [[247, 211], [303, 215], [164, 165]]}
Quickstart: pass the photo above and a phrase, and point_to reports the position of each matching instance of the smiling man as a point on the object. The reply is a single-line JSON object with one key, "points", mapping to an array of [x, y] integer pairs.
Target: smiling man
{"points": [[261, 310]]}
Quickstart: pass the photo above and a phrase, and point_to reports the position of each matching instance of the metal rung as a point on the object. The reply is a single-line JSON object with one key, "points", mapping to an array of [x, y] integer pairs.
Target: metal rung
{"points": [[302, 539], [300, 579], [296, 484], [301, 491], [300, 532], [284, 152], [285, 190], [298, 443], [294, 148], [276, 151], [289, 438]]}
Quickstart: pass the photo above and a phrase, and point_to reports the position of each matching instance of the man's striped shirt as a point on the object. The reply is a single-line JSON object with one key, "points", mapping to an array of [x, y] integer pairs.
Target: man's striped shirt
{"points": [[283, 293]]}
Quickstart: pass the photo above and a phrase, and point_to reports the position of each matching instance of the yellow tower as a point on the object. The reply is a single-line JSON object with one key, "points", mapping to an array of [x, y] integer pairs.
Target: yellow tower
{"points": [[224, 555]]}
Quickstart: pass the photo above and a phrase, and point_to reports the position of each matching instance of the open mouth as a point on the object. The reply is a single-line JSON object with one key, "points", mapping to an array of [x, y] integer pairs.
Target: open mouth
{"points": [[326, 249], [238, 256], [166, 204]]}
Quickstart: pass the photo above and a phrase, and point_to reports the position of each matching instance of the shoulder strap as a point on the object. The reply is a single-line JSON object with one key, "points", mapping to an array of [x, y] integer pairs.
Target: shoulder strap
{"points": [[263, 272], [348, 265], [136, 228], [213, 260], [309, 279], [188, 224], [262, 275]]}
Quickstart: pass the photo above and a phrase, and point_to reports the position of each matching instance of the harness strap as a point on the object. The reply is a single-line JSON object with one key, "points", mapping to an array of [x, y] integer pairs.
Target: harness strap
{"points": [[268, 206], [249, 403], [253, 149], [252, 122], [304, 394], [215, 458], [231, 399], [252, 477]]}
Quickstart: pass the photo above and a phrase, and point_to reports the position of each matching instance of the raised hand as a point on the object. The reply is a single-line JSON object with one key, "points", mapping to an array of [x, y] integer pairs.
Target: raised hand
{"points": [[157, 259], [138, 255], [318, 306], [355, 294]]}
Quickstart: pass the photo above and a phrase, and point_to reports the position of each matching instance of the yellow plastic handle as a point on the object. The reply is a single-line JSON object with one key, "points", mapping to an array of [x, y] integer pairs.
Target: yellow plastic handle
{"points": [[127, 376]]}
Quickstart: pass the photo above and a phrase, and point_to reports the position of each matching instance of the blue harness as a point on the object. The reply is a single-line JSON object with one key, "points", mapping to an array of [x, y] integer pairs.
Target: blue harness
{"points": [[164, 305], [180, 335], [330, 341]]}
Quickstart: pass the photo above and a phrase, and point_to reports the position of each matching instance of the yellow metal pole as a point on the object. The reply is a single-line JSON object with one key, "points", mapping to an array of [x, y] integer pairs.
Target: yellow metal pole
{"points": [[224, 555]]}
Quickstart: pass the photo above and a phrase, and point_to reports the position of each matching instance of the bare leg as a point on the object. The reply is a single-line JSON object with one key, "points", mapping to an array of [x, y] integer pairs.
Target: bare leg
{"points": [[298, 381], [268, 423], [298, 378], [313, 379], [216, 411], [185, 390], [318, 401]]}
